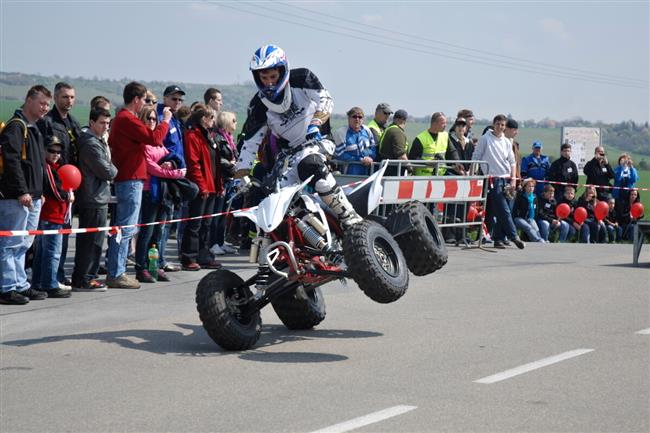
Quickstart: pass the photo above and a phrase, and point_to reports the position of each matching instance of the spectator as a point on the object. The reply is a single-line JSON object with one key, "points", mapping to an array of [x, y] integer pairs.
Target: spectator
{"points": [[21, 187], [569, 197], [54, 213], [355, 143], [536, 166], [623, 215], [430, 145], [151, 206], [547, 220], [378, 124], [563, 170], [625, 176], [599, 172], [203, 169], [496, 149], [511, 132], [173, 141], [592, 231], [468, 115], [213, 99], [460, 148], [59, 122], [525, 211], [614, 230], [394, 142], [93, 196], [128, 138], [226, 125], [150, 99]]}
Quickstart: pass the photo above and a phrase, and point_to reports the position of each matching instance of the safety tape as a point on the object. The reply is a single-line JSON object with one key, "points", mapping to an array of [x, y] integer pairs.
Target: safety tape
{"points": [[554, 182]]}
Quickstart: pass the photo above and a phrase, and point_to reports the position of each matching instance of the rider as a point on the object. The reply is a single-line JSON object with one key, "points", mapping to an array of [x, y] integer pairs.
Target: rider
{"points": [[294, 105]]}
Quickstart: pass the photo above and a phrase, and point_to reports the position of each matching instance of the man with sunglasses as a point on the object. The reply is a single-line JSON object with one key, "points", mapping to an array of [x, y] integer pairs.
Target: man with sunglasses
{"points": [[378, 124], [430, 145], [599, 173], [355, 144]]}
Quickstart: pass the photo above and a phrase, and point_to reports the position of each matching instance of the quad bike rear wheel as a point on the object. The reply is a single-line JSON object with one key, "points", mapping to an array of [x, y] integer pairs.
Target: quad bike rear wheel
{"points": [[222, 303], [302, 308]]}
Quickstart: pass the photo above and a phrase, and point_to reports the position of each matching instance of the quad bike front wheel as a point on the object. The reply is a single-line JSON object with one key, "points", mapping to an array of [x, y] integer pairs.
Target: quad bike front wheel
{"points": [[222, 303], [302, 308], [375, 262], [423, 246]]}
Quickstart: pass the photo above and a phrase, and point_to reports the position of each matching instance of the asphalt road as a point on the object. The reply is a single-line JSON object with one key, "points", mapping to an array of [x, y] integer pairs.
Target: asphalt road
{"points": [[552, 338]]}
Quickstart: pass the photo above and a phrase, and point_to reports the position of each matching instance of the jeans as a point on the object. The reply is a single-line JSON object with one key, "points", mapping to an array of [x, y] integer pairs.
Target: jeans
{"points": [[592, 231], [614, 233], [14, 216], [218, 226], [60, 274], [545, 229], [127, 211], [529, 226], [89, 246], [47, 255], [503, 226]]}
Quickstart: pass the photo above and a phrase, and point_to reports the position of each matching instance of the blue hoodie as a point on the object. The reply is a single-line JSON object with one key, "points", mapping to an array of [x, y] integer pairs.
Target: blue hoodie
{"points": [[174, 139]]}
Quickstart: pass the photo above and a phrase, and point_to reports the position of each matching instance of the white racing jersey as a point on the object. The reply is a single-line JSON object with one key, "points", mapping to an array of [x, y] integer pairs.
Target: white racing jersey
{"points": [[307, 97]]}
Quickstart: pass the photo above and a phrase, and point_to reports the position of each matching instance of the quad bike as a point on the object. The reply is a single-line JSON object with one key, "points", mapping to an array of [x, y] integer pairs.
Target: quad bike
{"points": [[301, 246]]}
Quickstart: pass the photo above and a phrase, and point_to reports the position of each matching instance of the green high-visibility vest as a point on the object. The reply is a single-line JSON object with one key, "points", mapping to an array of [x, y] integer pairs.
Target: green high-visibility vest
{"points": [[378, 129], [430, 148]]}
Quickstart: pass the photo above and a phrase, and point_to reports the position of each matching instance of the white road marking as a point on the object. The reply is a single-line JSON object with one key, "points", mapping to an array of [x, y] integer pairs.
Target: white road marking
{"points": [[643, 332], [532, 366], [366, 419]]}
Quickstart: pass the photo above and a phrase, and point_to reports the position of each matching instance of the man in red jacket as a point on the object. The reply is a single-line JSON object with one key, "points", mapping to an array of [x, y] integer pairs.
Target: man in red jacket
{"points": [[128, 138]]}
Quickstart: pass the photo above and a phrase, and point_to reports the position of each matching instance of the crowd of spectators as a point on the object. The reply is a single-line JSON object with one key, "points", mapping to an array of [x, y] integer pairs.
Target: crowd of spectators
{"points": [[156, 161]]}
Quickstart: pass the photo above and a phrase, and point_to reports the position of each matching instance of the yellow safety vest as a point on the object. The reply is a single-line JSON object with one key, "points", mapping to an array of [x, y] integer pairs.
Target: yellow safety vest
{"points": [[375, 126], [430, 148]]}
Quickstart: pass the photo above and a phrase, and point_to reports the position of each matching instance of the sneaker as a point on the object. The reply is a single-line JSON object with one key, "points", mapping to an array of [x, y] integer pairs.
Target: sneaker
{"points": [[144, 276], [122, 282], [212, 264], [500, 245], [58, 293], [34, 295], [228, 249], [162, 276], [63, 286], [90, 286], [171, 268], [216, 250], [13, 298], [520, 244], [191, 267]]}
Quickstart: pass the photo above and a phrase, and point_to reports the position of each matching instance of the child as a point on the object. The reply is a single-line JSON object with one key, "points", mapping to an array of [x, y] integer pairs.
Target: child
{"points": [[547, 220], [569, 198], [614, 230], [623, 215], [592, 230], [54, 214], [525, 210]]}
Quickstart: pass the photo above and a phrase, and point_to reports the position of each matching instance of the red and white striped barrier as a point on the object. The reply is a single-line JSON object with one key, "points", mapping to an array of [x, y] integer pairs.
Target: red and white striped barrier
{"points": [[440, 189]]}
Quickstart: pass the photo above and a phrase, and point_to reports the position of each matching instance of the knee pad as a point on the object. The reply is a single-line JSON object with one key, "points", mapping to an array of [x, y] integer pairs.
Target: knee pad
{"points": [[314, 165]]}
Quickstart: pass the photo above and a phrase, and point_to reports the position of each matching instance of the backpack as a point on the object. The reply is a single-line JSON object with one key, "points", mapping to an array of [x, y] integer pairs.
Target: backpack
{"points": [[23, 153]]}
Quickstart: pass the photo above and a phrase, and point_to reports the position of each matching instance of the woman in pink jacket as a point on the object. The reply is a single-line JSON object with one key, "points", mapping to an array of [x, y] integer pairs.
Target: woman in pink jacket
{"points": [[151, 202]]}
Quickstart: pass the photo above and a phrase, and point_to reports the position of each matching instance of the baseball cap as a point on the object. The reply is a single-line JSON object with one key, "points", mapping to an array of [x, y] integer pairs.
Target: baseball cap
{"points": [[512, 124], [384, 107], [460, 121], [401, 114], [537, 145], [169, 90]]}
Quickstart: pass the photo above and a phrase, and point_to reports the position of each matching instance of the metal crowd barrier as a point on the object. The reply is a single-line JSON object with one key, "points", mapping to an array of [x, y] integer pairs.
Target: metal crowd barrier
{"points": [[449, 197]]}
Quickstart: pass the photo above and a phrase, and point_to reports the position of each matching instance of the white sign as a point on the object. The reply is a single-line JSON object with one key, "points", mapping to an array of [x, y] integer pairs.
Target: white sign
{"points": [[583, 143]]}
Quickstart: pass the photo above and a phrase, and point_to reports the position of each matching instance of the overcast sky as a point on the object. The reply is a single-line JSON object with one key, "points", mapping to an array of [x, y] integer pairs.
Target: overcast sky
{"points": [[530, 59]]}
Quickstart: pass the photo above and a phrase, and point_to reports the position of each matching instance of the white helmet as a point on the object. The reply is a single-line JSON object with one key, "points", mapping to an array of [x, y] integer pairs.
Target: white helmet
{"points": [[268, 57]]}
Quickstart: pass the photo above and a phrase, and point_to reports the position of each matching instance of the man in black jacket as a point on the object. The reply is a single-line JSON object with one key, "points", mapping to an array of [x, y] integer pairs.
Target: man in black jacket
{"points": [[21, 188], [563, 170], [93, 196], [599, 172]]}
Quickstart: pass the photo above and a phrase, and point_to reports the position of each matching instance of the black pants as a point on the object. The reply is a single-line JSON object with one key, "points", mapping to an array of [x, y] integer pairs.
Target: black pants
{"points": [[88, 249], [196, 236]]}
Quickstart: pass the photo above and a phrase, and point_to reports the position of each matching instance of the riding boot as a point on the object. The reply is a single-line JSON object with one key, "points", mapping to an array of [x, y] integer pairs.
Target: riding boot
{"points": [[339, 203]]}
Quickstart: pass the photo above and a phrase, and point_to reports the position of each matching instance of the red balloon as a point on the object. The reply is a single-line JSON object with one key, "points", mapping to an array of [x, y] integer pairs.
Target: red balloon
{"points": [[562, 211], [637, 210], [70, 177], [580, 215], [472, 213], [601, 210]]}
